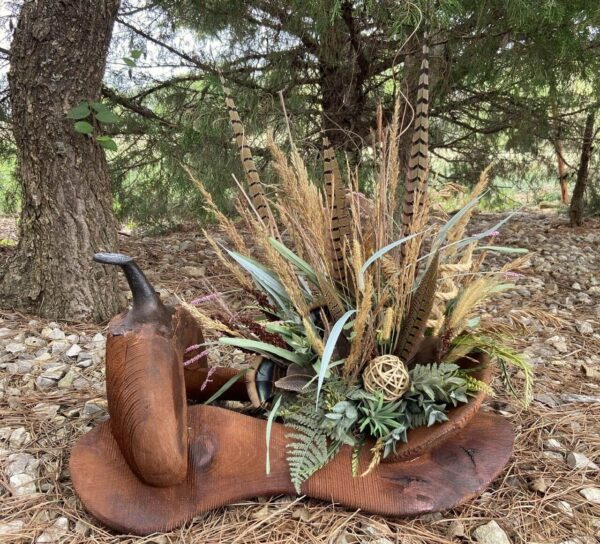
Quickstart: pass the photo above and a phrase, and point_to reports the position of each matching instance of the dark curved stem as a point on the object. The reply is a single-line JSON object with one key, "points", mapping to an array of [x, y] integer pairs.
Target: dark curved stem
{"points": [[146, 302]]}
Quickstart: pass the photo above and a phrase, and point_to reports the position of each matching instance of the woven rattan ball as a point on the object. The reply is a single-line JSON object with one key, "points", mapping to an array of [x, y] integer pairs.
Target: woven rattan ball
{"points": [[387, 375]]}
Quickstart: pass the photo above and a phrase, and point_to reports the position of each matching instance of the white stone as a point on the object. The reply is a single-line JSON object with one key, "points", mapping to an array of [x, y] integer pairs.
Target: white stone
{"points": [[55, 372], [67, 381], [94, 408], [48, 410], [73, 338], [22, 484], [19, 463], [553, 445], [82, 528], [559, 343], [552, 455], [58, 346], [13, 347], [491, 533], [5, 433], [98, 338], [584, 327], [85, 363], [53, 334], [579, 461], [73, 351], [42, 357], [6, 333], [44, 384], [55, 532], [11, 527], [591, 494], [18, 438], [35, 342], [565, 507]]}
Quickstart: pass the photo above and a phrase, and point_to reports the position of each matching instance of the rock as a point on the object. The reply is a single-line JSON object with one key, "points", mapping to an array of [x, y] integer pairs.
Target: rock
{"points": [[591, 494], [98, 338], [584, 327], [73, 351], [552, 455], [548, 399], [6, 333], [42, 357], [194, 271], [55, 372], [576, 286], [82, 528], [19, 463], [94, 408], [85, 363], [22, 484], [491, 533], [19, 368], [35, 342], [55, 532], [53, 334], [58, 346], [11, 527], [13, 347], [584, 399], [559, 343], [553, 445], [565, 507], [73, 338], [579, 461], [5, 433], [47, 410], [18, 438], [539, 484], [44, 384], [67, 381], [456, 530]]}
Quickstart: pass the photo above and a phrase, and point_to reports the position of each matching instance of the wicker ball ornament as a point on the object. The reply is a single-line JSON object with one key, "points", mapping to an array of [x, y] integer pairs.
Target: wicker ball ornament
{"points": [[387, 375]]}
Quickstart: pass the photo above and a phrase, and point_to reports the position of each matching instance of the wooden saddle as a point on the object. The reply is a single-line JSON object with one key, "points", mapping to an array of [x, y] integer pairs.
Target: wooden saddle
{"points": [[159, 461]]}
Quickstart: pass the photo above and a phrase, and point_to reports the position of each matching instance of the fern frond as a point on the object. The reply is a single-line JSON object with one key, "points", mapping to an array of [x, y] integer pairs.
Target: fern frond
{"points": [[308, 450]]}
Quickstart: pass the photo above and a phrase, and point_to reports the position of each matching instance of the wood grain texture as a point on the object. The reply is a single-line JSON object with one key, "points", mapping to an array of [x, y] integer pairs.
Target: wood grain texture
{"points": [[146, 394], [227, 463]]}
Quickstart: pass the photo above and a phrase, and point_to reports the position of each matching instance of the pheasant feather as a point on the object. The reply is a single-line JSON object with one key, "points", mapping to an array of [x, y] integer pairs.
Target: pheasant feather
{"points": [[255, 187], [418, 313], [416, 176], [335, 199]]}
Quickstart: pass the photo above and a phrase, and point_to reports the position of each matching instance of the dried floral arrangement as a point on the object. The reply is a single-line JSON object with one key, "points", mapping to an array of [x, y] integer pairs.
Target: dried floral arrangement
{"points": [[363, 310]]}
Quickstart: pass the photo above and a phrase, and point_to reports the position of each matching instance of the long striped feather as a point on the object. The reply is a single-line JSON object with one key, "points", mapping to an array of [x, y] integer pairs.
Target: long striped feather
{"points": [[418, 313], [335, 199], [255, 187], [418, 163]]}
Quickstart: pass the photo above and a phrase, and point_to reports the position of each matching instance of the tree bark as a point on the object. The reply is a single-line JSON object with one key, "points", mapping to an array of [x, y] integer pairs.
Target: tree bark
{"points": [[562, 171], [576, 208], [58, 56]]}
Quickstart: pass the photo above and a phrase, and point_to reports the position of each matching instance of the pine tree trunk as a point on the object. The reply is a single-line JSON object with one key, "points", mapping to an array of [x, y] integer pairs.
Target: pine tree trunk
{"points": [[58, 56], [576, 208]]}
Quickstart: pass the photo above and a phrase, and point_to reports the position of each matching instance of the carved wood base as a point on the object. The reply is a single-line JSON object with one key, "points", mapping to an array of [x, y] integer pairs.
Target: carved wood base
{"points": [[226, 463]]}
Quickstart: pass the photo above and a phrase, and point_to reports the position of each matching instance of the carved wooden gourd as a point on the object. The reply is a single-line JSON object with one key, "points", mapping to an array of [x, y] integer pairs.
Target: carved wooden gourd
{"points": [[157, 462]]}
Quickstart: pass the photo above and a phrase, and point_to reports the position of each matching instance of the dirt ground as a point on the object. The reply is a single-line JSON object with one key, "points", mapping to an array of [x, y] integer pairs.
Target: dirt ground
{"points": [[539, 498]]}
